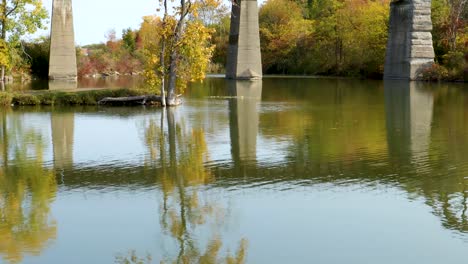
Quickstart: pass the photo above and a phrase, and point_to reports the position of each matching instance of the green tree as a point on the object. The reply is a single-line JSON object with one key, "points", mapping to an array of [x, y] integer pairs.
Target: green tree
{"points": [[220, 41], [324, 36], [282, 30], [18, 17], [36, 55], [129, 39]]}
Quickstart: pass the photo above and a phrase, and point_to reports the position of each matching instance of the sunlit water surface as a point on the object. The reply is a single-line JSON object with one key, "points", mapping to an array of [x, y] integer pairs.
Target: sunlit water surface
{"points": [[280, 171]]}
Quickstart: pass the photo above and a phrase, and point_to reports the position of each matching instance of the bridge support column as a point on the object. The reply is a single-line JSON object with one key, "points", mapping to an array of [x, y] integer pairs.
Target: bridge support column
{"points": [[409, 47], [244, 57], [62, 63]]}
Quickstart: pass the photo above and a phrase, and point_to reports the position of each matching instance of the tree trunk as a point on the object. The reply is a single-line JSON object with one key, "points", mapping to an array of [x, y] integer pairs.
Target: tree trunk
{"points": [[163, 77], [2, 76], [3, 25], [172, 99], [5, 140], [162, 61], [456, 9]]}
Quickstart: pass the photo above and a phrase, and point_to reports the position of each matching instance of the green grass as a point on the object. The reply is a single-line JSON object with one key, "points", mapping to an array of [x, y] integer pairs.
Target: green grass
{"points": [[64, 98]]}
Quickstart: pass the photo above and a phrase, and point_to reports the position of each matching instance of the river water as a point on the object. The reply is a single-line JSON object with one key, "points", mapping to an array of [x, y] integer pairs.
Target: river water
{"points": [[284, 170]]}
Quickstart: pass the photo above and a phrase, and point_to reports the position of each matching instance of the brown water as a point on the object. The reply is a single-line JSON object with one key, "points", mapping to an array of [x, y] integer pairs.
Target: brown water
{"points": [[285, 170]]}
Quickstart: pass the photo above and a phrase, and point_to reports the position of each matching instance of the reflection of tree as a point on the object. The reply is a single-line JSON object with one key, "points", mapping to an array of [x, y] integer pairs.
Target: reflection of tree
{"points": [[415, 139], [26, 190], [335, 135], [430, 157], [447, 190], [181, 154]]}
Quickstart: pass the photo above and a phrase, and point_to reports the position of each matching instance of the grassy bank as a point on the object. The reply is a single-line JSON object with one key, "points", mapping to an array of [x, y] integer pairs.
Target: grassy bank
{"points": [[64, 98]]}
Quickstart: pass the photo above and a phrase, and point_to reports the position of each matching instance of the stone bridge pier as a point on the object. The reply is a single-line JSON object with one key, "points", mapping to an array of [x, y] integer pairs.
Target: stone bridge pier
{"points": [[244, 59], [62, 61], [409, 47]]}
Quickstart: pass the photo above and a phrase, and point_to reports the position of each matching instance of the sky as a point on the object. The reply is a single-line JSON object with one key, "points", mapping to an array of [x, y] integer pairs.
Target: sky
{"points": [[94, 18]]}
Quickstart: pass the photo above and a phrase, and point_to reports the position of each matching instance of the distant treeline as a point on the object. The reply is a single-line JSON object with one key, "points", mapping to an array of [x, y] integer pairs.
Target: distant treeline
{"points": [[305, 37]]}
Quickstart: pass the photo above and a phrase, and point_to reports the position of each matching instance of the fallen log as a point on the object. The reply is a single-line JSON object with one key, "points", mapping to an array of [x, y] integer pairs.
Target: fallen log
{"points": [[131, 100], [137, 100]]}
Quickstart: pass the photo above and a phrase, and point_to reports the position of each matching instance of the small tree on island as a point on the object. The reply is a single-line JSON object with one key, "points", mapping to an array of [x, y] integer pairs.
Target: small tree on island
{"points": [[183, 51], [17, 18]]}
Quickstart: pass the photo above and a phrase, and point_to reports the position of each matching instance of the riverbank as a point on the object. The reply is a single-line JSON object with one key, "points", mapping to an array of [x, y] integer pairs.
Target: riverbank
{"points": [[91, 97]]}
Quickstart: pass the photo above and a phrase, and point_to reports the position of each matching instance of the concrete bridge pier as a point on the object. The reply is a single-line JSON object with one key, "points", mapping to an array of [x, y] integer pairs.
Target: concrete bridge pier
{"points": [[244, 58], [62, 63], [409, 47]]}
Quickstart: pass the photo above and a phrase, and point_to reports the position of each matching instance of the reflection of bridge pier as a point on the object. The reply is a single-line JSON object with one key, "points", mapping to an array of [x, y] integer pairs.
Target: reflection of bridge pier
{"points": [[409, 116], [62, 125], [243, 118], [410, 113]]}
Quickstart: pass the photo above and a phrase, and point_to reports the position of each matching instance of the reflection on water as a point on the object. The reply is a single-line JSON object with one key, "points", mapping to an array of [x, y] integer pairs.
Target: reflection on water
{"points": [[27, 189], [409, 110], [414, 148], [243, 118], [296, 167], [62, 125], [180, 153]]}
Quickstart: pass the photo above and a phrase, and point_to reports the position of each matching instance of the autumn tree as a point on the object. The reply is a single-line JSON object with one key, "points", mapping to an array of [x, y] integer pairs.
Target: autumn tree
{"points": [[450, 38], [220, 41], [282, 30], [184, 49], [331, 37], [19, 17]]}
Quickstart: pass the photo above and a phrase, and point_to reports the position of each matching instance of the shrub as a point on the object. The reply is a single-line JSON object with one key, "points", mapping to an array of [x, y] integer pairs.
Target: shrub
{"points": [[25, 99], [64, 98], [456, 65], [5, 98], [435, 73]]}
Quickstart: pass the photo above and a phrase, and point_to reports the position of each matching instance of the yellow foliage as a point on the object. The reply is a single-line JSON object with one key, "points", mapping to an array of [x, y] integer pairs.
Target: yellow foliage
{"points": [[25, 196], [193, 48], [4, 54]]}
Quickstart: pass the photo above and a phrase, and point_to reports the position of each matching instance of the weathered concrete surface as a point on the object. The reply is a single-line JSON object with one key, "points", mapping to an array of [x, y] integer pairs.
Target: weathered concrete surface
{"points": [[244, 58], [62, 65], [409, 47], [62, 85]]}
